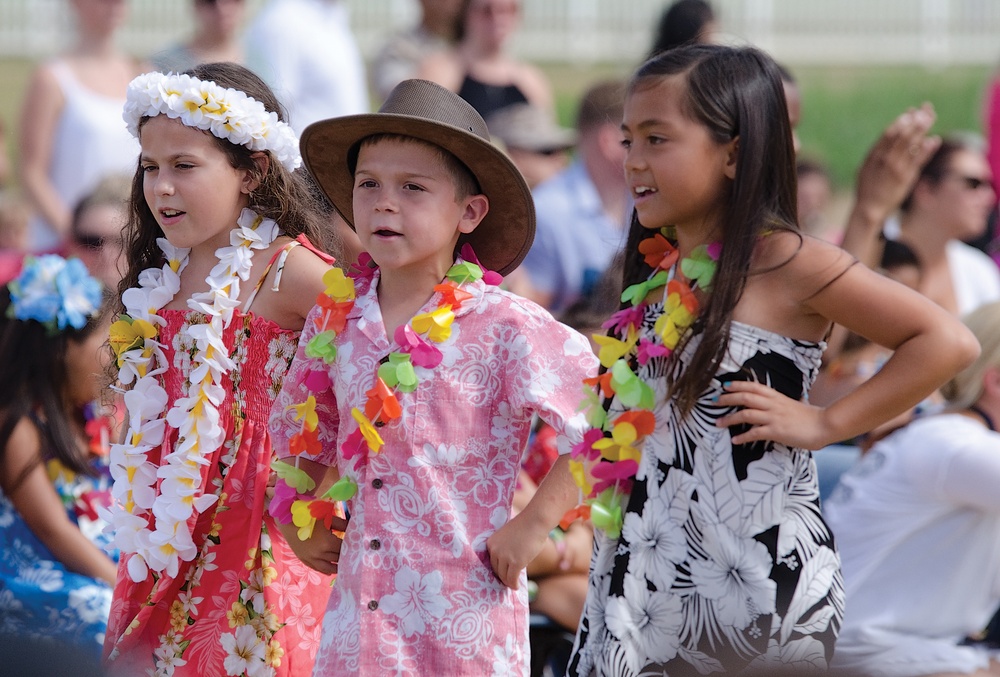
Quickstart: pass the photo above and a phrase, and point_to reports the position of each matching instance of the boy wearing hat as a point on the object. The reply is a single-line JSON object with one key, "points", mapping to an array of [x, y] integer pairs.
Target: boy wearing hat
{"points": [[415, 382]]}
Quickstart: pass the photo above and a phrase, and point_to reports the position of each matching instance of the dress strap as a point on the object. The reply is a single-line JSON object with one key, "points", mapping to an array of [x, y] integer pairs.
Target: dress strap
{"points": [[280, 257]]}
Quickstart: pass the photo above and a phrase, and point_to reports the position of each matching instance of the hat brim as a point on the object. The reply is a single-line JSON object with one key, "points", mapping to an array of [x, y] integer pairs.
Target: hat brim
{"points": [[500, 241], [552, 141]]}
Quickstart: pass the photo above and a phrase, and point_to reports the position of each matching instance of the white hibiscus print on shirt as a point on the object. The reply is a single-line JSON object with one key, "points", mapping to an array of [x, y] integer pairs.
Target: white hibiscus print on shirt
{"points": [[416, 600], [655, 547], [735, 576], [646, 622]]}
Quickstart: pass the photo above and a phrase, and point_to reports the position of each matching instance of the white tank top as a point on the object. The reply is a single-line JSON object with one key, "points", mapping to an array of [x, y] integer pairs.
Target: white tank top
{"points": [[91, 142]]}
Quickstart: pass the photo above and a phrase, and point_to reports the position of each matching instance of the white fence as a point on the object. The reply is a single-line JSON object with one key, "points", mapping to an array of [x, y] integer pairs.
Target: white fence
{"points": [[932, 32]]}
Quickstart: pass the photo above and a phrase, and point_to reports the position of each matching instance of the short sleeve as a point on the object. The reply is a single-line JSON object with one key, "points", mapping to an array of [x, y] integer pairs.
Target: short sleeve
{"points": [[549, 379], [306, 376]]}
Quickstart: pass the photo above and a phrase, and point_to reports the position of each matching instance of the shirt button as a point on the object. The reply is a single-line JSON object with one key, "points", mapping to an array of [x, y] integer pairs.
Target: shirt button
{"points": [[375, 544], [376, 483], [372, 605]]}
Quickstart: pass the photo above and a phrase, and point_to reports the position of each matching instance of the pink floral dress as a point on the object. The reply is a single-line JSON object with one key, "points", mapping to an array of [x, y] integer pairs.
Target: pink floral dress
{"points": [[415, 592], [245, 605]]}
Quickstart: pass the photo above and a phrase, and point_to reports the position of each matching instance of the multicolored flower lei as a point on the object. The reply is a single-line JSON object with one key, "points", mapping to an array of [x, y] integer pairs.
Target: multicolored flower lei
{"points": [[292, 502], [196, 417], [605, 463]]}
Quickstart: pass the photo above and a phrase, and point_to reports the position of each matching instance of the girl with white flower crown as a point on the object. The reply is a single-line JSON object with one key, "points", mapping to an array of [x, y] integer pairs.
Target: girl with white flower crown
{"points": [[222, 274], [711, 554], [56, 569]]}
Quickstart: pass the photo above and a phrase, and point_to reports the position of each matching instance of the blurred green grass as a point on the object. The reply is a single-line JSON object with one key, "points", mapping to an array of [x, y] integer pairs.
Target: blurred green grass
{"points": [[844, 108]]}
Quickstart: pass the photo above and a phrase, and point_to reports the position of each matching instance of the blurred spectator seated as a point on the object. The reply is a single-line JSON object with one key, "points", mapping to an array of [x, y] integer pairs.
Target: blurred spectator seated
{"points": [[582, 211], [215, 38], [480, 69], [14, 217], [815, 191], [403, 52], [96, 230], [533, 140], [305, 50], [917, 524]]}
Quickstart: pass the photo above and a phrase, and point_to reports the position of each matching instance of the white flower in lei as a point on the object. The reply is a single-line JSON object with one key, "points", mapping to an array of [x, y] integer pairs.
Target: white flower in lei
{"points": [[227, 113], [195, 416]]}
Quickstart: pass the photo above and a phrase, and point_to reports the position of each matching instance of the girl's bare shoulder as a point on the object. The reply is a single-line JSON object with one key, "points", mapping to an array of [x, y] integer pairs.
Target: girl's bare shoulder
{"points": [[302, 280], [799, 262]]}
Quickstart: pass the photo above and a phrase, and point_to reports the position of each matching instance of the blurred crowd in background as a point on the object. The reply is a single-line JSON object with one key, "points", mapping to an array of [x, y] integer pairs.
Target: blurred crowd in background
{"points": [[911, 516]]}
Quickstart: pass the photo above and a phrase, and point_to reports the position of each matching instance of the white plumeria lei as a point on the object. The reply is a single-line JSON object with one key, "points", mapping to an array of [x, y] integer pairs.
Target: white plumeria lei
{"points": [[227, 113], [196, 416]]}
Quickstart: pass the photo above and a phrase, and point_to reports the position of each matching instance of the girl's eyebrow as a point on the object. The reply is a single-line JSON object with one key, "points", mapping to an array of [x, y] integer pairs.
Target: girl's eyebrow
{"points": [[650, 122], [171, 158]]}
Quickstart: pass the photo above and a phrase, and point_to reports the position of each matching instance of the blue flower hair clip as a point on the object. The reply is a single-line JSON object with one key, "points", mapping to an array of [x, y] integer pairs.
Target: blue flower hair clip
{"points": [[55, 292]]}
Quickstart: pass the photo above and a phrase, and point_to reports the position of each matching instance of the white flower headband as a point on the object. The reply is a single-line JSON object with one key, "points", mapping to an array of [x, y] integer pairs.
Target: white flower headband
{"points": [[227, 113]]}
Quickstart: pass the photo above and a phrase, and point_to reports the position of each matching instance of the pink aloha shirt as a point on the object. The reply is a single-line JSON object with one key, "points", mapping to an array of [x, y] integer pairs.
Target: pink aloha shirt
{"points": [[415, 593]]}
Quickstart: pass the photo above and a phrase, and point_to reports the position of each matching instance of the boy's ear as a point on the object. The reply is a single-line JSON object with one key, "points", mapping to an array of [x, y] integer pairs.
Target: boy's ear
{"points": [[253, 179], [732, 157], [476, 208]]}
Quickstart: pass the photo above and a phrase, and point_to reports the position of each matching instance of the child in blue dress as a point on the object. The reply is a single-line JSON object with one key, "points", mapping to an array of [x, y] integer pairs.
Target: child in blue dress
{"points": [[55, 576]]}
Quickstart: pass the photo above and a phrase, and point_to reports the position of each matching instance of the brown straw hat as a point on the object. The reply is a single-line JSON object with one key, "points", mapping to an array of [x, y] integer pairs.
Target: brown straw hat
{"points": [[428, 112]]}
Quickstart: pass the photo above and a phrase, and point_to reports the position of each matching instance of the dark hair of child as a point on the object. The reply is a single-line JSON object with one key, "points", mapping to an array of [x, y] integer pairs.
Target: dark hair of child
{"points": [[33, 373], [733, 92]]}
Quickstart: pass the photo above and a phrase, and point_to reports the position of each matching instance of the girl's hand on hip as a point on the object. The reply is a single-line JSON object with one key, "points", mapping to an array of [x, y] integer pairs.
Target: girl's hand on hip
{"points": [[773, 416]]}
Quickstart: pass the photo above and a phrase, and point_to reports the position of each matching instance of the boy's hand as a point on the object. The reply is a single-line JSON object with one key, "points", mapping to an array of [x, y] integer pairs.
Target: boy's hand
{"points": [[512, 547], [322, 551], [773, 416]]}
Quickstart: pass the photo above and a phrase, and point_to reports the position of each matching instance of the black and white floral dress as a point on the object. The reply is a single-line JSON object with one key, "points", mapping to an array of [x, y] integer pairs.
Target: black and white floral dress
{"points": [[724, 561]]}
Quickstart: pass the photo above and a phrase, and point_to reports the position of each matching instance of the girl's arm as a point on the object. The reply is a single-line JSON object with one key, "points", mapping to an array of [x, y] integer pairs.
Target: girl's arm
{"points": [[930, 346], [515, 544], [43, 103], [38, 503]]}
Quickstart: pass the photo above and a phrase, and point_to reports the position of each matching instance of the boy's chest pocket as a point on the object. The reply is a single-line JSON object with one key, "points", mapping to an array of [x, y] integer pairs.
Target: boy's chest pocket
{"points": [[452, 417]]}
